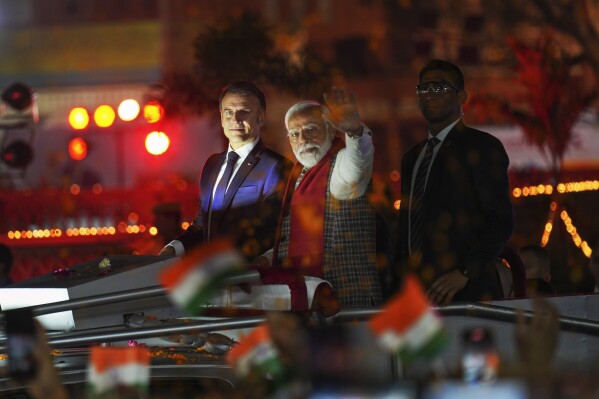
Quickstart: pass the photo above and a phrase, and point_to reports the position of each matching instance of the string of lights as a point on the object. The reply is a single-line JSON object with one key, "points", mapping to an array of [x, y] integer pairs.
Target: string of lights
{"points": [[562, 188], [570, 228], [549, 225], [122, 228], [578, 241]]}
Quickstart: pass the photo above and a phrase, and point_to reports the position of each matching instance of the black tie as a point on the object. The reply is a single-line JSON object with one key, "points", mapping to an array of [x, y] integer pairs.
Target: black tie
{"points": [[221, 188], [417, 194]]}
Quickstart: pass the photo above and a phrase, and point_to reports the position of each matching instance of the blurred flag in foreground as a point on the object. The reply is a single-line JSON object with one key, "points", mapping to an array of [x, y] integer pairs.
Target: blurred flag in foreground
{"points": [[408, 325], [257, 361], [118, 369], [256, 353], [196, 277]]}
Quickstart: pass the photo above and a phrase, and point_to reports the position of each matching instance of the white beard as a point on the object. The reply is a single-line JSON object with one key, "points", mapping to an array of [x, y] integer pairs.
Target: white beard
{"points": [[311, 158]]}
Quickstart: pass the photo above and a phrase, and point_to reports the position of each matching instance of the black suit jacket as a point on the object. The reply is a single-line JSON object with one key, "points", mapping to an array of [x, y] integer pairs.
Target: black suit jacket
{"points": [[467, 215], [251, 206]]}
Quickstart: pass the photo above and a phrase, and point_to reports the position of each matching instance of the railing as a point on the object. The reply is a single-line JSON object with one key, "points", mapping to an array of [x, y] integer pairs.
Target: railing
{"points": [[78, 338]]}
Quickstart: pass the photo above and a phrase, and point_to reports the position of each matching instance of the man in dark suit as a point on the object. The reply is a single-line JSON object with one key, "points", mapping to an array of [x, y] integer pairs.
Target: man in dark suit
{"points": [[455, 214], [241, 189]]}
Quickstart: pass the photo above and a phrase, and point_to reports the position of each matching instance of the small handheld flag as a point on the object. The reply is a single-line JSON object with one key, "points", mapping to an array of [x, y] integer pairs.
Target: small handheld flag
{"points": [[408, 325], [256, 353], [113, 367], [192, 281]]}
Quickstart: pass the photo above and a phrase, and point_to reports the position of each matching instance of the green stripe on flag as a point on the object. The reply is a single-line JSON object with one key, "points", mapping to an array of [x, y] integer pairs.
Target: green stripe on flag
{"points": [[430, 349], [205, 293]]}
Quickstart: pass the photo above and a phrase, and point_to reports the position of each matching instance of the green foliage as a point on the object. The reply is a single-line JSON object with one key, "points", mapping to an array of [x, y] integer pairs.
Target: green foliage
{"points": [[242, 48]]}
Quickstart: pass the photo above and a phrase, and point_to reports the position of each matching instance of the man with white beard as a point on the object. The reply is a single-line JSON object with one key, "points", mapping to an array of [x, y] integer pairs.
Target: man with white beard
{"points": [[327, 228]]}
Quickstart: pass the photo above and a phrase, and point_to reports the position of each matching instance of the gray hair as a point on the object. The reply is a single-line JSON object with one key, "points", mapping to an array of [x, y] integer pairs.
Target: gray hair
{"points": [[303, 107]]}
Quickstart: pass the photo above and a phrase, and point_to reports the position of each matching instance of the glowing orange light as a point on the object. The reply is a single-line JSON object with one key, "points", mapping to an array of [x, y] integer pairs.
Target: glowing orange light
{"points": [[78, 118], [104, 116], [153, 231], [184, 225], [77, 148], [562, 187], [133, 217], [75, 189], [153, 111], [397, 204], [157, 143], [586, 249], [128, 110]]}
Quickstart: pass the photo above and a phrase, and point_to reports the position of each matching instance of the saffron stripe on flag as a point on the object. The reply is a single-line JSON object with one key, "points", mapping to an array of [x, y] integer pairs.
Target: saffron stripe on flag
{"points": [[195, 279], [256, 351], [172, 276], [408, 325], [110, 367]]}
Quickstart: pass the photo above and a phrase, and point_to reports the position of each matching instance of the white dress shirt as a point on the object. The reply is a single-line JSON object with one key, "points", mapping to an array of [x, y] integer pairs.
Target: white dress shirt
{"points": [[243, 152]]}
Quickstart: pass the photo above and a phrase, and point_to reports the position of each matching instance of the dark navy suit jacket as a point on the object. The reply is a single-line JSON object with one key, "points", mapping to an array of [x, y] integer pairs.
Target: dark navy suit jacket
{"points": [[251, 207], [467, 215]]}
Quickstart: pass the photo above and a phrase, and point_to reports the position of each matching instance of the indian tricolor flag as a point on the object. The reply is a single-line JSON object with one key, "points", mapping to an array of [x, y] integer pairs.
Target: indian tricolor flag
{"points": [[192, 281], [112, 368], [408, 325], [256, 354]]}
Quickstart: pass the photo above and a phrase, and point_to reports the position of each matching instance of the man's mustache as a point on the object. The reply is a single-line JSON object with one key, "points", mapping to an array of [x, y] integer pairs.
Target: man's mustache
{"points": [[307, 147]]}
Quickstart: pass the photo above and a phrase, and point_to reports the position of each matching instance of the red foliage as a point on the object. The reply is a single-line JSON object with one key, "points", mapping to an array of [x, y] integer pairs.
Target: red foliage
{"points": [[557, 96]]}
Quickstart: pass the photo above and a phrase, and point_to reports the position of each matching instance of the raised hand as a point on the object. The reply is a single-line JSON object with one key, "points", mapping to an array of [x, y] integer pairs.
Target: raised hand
{"points": [[537, 340], [343, 114]]}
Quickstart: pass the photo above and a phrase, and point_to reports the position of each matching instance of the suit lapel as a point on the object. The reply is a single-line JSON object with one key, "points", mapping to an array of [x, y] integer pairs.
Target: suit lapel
{"points": [[248, 164], [208, 187], [447, 146]]}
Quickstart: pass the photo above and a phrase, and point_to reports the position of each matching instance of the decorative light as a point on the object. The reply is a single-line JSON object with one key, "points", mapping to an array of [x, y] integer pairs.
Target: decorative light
{"points": [[104, 116], [547, 189], [128, 110], [549, 224], [157, 143], [78, 118]]}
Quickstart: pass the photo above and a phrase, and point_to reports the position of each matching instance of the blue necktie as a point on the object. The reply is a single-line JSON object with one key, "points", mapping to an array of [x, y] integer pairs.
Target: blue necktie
{"points": [[221, 188], [418, 194]]}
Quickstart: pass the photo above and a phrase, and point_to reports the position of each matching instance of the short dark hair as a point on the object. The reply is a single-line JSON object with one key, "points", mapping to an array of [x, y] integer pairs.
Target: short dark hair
{"points": [[243, 88], [6, 258], [445, 66]]}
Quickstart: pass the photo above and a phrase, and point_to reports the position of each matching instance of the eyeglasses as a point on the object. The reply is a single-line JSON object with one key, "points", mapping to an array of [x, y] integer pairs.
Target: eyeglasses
{"points": [[437, 87], [308, 132]]}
